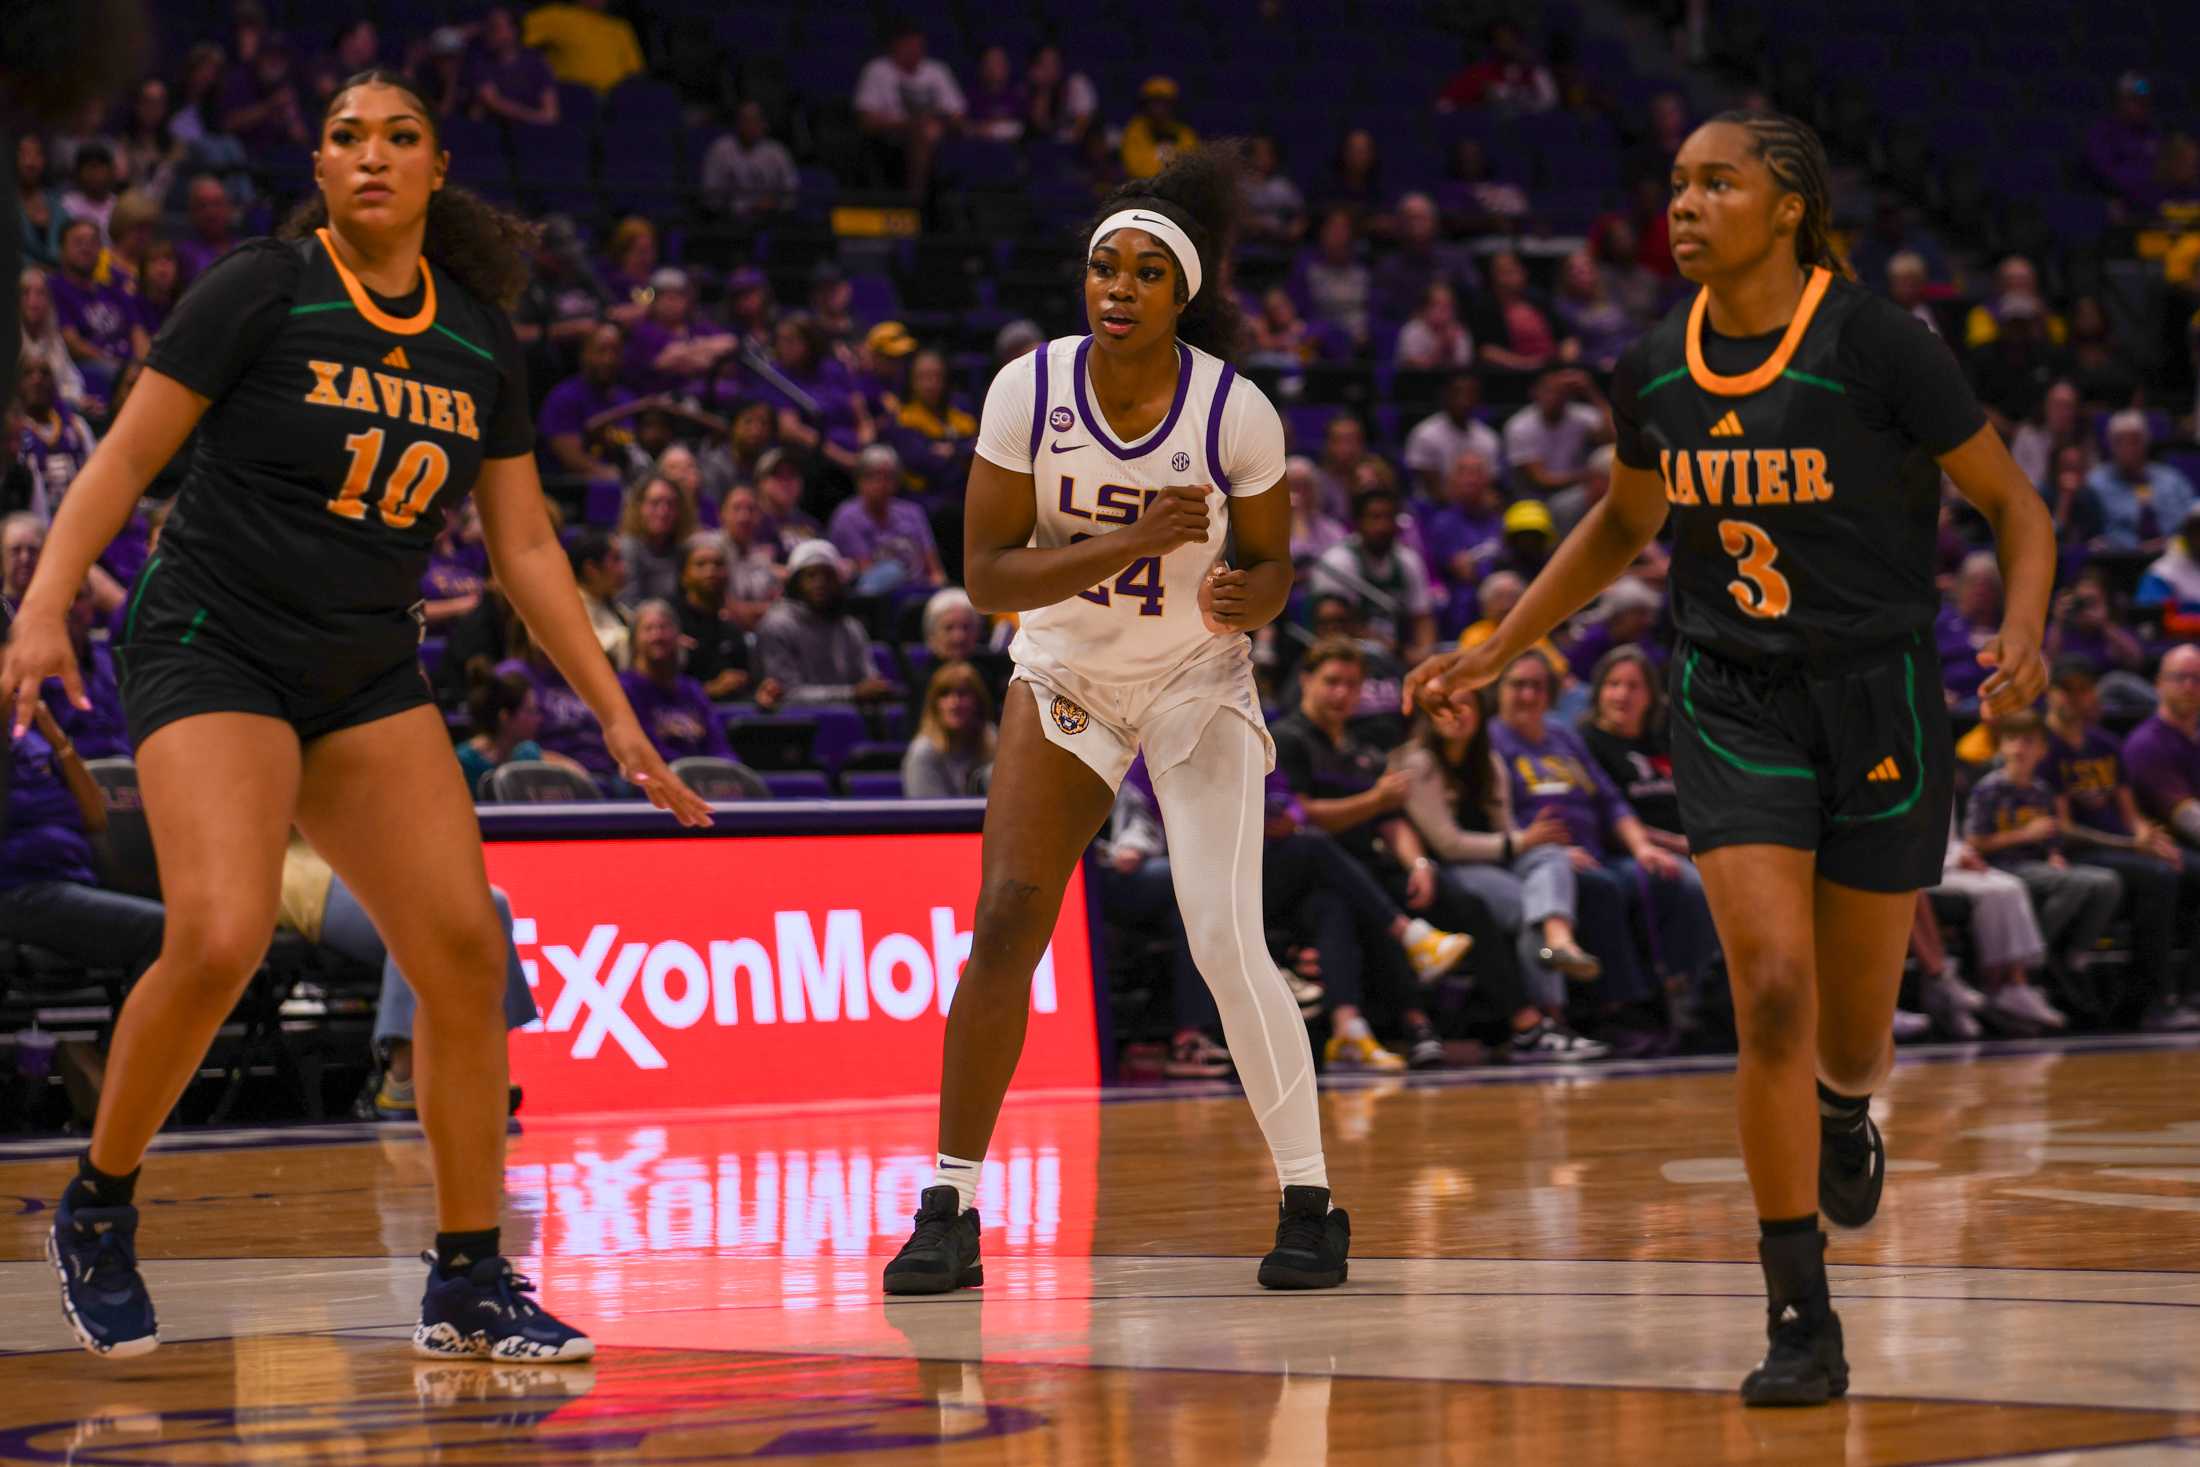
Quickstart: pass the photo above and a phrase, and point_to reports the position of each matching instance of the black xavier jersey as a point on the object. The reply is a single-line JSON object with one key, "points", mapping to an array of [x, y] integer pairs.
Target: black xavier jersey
{"points": [[342, 425], [1798, 468]]}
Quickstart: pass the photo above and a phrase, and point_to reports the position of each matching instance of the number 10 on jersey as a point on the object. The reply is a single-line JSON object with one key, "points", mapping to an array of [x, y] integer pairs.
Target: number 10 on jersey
{"points": [[414, 481], [1141, 579]]}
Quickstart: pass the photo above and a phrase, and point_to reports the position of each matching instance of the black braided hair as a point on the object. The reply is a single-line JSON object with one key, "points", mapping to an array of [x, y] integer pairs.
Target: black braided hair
{"points": [[1200, 193], [1797, 160], [484, 248]]}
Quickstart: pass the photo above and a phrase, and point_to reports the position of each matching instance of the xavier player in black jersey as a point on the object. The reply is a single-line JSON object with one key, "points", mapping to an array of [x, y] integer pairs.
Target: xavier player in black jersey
{"points": [[1795, 427], [348, 382]]}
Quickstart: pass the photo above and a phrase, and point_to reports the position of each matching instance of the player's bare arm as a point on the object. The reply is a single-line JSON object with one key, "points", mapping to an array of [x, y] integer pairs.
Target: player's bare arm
{"points": [[1253, 593], [2024, 539], [1597, 553], [533, 570], [155, 421]]}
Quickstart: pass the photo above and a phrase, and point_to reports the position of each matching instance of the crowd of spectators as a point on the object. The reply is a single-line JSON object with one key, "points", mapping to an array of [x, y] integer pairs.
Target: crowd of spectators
{"points": [[759, 483]]}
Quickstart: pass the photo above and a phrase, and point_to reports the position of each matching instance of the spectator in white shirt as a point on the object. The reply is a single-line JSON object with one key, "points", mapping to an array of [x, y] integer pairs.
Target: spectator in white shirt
{"points": [[1906, 279], [747, 173], [1437, 440], [907, 101], [1547, 442], [1385, 579], [1434, 336]]}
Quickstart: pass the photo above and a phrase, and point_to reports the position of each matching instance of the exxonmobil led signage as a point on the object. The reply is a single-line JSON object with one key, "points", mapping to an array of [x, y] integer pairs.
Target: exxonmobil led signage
{"points": [[687, 973]]}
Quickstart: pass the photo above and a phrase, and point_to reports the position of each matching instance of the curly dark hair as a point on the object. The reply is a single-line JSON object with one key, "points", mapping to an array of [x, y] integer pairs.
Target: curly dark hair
{"points": [[484, 248], [1201, 193]]}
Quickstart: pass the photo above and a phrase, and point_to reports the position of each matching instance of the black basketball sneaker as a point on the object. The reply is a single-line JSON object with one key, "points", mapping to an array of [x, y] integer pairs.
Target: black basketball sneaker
{"points": [[1804, 1364], [1852, 1169], [942, 1252], [1312, 1239]]}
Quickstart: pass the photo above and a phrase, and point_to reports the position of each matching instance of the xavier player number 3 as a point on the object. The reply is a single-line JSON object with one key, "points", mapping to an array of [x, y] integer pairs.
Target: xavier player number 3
{"points": [[1793, 428]]}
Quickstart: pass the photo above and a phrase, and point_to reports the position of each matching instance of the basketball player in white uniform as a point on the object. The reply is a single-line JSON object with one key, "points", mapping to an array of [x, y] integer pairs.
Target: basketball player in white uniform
{"points": [[1111, 469]]}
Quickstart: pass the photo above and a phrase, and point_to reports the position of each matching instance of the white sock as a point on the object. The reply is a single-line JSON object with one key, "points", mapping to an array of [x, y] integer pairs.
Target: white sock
{"points": [[953, 1171], [1355, 1028], [1417, 930]]}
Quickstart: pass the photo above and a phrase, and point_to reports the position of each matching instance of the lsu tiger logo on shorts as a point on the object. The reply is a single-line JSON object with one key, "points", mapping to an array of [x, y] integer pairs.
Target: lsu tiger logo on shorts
{"points": [[1068, 717]]}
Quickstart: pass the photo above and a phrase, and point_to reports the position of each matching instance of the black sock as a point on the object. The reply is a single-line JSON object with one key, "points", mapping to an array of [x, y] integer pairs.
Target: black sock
{"points": [[92, 1187], [1840, 1110], [1793, 1252], [457, 1252]]}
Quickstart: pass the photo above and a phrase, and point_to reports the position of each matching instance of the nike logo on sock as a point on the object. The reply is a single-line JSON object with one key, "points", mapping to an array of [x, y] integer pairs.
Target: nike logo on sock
{"points": [[954, 1166]]}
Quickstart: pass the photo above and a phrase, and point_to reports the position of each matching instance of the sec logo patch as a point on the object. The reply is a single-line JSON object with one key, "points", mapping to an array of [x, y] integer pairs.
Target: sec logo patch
{"points": [[1058, 420], [1068, 717], [1181, 462]]}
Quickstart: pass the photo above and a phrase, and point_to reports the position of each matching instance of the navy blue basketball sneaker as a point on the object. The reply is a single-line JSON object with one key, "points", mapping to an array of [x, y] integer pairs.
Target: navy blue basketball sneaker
{"points": [[93, 1251], [485, 1314]]}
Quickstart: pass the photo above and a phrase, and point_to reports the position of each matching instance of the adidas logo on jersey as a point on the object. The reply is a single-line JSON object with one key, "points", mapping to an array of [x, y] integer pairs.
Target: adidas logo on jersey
{"points": [[1884, 771], [396, 359], [1729, 426]]}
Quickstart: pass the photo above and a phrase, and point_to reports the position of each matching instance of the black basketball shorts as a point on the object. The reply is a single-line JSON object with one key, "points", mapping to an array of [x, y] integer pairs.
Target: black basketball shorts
{"points": [[187, 648], [1851, 759]]}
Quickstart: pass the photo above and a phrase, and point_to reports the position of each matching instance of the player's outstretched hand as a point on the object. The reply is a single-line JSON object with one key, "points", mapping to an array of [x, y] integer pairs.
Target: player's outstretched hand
{"points": [[1222, 599], [1450, 675], [1177, 516], [38, 648], [2020, 673], [642, 766]]}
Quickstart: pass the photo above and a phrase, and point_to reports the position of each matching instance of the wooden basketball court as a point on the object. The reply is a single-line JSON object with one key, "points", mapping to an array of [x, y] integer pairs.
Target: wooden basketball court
{"points": [[1545, 1271]]}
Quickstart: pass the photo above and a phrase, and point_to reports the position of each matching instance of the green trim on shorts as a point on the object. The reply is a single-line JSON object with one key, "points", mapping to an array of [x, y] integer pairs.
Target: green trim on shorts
{"points": [[1656, 382], [197, 621], [1688, 706], [1917, 752], [137, 598]]}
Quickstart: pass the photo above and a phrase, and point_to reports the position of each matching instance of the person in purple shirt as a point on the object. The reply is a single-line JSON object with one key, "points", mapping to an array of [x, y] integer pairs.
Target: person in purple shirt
{"points": [[213, 221], [98, 730], [886, 538], [98, 322], [507, 79], [54, 442], [1623, 617], [2102, 826], [1463, 533], [568, 727], [458, 569], [1554, 775], [816, 397], [578, 427], [49, 883], [1962, 628], [259, 103], [2163, 755], [675, 711], [2122, 148], [670, 349]]}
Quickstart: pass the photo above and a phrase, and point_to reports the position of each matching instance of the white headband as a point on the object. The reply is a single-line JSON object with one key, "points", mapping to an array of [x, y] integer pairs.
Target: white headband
{"points": [[1164, 229]]}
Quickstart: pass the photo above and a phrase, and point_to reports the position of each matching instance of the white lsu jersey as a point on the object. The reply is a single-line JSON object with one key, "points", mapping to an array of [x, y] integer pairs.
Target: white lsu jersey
{"points": [[1041, 418]]}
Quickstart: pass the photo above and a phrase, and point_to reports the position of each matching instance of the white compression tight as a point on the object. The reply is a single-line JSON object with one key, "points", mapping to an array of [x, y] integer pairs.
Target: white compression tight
{"points": [[1212, 806]]}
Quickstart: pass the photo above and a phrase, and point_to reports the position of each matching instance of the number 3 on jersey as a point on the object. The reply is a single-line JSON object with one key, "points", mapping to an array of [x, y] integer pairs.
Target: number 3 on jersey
{"points": [[415, 479], [1762, 591], [1140, 579]]}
